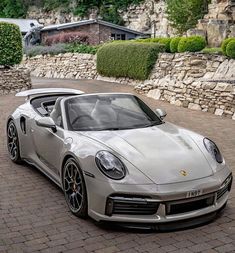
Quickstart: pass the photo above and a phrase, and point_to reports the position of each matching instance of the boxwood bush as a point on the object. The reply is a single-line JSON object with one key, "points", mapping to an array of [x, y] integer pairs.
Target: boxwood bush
{"points": [[133, 60], [230, 49], [212, 50], [174, 44], [11, 49], [164, 41], [191, 44], [224, 45]]}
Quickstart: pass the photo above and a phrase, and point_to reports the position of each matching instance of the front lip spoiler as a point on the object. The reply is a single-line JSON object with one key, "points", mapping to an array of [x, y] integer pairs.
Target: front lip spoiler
{"points": [[167, 226]]}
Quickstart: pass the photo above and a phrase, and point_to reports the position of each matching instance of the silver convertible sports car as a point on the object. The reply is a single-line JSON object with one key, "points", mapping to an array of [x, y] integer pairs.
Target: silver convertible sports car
{"points": [[117, 160]]}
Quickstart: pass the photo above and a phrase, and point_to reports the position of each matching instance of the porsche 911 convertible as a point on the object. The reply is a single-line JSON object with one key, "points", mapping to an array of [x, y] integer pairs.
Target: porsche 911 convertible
{"points": [[117, 160]]}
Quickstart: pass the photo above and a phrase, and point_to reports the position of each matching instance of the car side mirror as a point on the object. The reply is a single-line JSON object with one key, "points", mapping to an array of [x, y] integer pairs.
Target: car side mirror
{"points": [[161, 113], [47, 122]]}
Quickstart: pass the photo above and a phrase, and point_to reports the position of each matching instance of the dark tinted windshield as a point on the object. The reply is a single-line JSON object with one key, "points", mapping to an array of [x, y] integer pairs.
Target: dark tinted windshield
{"points": [[108, 112]]}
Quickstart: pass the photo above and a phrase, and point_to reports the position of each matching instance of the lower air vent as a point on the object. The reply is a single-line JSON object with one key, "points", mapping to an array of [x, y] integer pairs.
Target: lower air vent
{"points": [[131, 206], [189, 206]]}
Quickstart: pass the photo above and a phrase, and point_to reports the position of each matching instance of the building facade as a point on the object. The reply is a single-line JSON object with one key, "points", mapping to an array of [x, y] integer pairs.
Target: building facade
{"points": [[99, 31]]}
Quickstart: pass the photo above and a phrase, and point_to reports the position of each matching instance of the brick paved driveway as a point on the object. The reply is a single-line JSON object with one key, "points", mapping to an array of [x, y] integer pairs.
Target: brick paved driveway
{"points": [[35, 218]]}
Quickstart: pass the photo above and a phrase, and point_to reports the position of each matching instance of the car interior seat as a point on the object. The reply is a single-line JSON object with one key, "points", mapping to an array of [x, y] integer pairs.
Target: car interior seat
{"points": [[103, 112], [56, 114]]}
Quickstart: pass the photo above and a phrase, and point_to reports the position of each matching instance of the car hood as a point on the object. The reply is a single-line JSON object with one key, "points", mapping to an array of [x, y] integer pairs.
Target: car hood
{"points": [[164, 153]]}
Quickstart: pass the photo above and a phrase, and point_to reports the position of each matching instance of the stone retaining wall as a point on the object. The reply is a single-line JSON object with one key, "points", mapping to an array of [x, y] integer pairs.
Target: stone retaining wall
{"points": [[195, 81], [74, 66], [14, 80]]}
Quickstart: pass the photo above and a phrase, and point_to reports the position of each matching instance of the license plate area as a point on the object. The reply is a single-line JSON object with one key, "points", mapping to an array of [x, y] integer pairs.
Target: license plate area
{"points": [[189, 205]]}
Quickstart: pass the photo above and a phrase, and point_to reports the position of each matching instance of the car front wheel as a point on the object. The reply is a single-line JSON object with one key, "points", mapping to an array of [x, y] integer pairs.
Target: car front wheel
{"points": [[75, 188], [13, 143]]}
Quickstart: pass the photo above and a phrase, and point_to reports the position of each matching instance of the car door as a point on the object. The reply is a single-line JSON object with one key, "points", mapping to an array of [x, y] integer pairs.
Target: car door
{"points": [[48, 146]]}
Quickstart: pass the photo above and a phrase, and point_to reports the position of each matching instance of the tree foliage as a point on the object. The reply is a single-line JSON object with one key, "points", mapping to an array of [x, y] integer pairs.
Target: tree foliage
{"points": [[184, 14], [13, 8]]}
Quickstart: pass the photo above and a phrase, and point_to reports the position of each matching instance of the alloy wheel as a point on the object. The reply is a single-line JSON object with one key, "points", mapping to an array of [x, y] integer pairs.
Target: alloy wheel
{"points": [[12, 142], [73, 186]]}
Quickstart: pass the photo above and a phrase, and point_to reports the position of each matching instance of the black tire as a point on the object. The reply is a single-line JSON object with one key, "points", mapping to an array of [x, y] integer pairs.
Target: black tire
{"points": [[75, 189], [13, 146]]}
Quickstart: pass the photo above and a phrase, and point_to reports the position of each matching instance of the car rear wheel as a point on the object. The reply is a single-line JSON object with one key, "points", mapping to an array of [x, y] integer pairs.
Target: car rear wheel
{"points": [[75, 188], [13, 143]]}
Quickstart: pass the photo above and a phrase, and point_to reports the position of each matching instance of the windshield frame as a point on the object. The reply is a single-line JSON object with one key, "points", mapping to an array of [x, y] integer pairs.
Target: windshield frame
{"points": [[157, 121]]}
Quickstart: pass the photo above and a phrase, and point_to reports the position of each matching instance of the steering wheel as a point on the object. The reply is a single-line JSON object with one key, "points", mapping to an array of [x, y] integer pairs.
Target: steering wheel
{"points": [[78, 117]]}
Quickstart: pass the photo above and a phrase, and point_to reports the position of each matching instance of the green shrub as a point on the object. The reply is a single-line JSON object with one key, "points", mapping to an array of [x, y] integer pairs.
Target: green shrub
{"points": [[191, 44], [164, 41], [230, 49], [134, 60], [60, 48], [224, 45], [82, 48], [212, 50], [174, 44], [11, 49], [43, 50]]}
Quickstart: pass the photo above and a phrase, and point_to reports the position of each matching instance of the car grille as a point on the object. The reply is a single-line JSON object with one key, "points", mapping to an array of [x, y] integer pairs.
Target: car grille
{"points": [[226, 187], [131, 206], [189, 206]]}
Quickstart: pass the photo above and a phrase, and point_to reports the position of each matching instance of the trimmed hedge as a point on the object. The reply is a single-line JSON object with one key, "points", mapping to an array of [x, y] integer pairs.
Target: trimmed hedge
{"points": [[230, 49], [212, 50], [164, 41], [224, 45], [174, 44], [133, 60], [11, 49], [191, 44]]}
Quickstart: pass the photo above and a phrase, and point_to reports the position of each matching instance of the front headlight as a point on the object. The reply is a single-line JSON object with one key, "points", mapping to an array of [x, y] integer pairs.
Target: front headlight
{"points": [[213, 150], [110, 165]]}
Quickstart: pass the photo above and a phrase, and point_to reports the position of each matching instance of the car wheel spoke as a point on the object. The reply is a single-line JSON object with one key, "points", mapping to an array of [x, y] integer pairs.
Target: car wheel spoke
{"points": [[67, 184], [76, 198]]}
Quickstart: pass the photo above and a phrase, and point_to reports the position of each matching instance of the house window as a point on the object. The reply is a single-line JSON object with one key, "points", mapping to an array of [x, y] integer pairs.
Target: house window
{"points": [[115, 36]]}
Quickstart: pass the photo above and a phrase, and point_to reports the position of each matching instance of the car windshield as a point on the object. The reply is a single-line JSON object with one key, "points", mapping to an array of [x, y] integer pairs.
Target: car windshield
{"points": [[108, 112]]}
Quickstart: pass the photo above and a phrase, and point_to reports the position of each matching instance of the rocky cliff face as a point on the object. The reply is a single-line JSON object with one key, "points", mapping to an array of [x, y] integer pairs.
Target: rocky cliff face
{"points": [[219, 23], [149, 17], [51, 17]]}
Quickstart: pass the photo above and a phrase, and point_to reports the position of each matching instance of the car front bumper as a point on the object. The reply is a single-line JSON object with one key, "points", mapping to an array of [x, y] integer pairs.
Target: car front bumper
{"points": [[157, 204]]}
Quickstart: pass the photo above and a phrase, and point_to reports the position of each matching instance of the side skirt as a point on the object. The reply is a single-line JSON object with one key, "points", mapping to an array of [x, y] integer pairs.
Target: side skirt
{"points": [[44, 172]]}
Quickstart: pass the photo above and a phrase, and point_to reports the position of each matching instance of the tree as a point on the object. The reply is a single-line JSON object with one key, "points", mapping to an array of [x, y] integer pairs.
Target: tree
{"points": [[184, 14], [11, 49], [13, 8]]}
